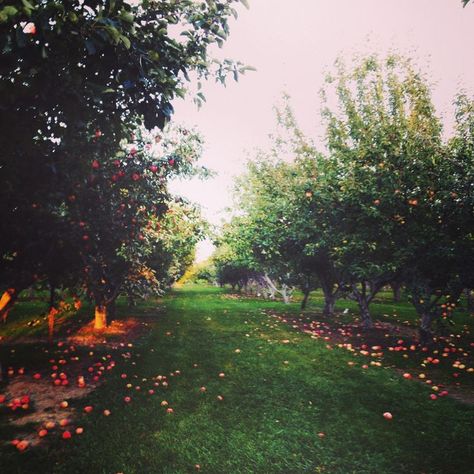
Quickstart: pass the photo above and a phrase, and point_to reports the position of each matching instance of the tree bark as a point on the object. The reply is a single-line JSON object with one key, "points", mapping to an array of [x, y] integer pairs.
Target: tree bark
{"points": [[331, 292], [100, 321], [51, 312], [51, 320], [329, 304], [397, 292], [367, 322], [111, 310], [131, 301], [5, 314], [285, 293], [426, 335], [305, 298], [7, 301], [469, 300], [363, 301]]}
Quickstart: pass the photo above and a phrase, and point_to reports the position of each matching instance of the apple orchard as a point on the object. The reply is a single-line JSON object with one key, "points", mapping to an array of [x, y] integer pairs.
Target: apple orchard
{"points": [[330, 330]]}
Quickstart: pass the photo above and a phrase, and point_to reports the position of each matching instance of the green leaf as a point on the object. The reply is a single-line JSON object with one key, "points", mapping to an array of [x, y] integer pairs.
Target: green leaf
{"points": [[125, 41], [201, 96], [154, 55], [242, 70], [127, 17], [28, 7], [7, 12], [73, 17], [113, 33], [245, 3]]}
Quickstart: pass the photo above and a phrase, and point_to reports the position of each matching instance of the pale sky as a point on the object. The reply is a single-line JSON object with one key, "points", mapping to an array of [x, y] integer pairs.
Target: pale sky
{"points": [[292, 43]]}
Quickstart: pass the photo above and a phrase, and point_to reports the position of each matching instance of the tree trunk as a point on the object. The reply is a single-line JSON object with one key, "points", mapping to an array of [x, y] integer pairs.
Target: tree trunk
{"points": [[111, 310], [363, 301], [285, 293], [469, 300], [364, 295], [329, 304], [426, 335], [6, 303], [52, 312], [397, 292], [330, 292], [305, 298], [100, 321], [51, 320], [365, 313]]}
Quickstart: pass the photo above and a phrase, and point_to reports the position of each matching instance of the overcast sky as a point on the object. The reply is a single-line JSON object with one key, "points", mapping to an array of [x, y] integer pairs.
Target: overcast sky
{"points": [[292, 44]]}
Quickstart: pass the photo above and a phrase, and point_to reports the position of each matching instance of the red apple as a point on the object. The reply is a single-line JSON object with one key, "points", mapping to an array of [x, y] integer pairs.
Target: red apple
{"points": [[22, 445]]}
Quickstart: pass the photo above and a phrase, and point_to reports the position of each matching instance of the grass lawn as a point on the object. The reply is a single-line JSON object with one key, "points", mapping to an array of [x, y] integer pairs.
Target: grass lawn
{"points": [[289, 404]]}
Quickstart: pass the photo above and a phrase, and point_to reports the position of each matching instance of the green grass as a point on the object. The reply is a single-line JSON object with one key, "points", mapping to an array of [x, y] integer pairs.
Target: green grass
{"points": [[272, 411]]}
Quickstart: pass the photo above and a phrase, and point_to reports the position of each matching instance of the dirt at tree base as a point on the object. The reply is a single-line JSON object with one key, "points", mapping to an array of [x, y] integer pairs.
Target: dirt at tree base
{"points": [[46, 400], [83, 360]]}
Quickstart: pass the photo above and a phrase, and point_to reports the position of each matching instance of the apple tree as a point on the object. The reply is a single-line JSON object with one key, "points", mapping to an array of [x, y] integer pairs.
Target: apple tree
{"points": [[439, 234], [76, 79], [381, 138]]}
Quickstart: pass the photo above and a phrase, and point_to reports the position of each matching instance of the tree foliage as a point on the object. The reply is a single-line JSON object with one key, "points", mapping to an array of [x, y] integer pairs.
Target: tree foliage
{"points": [[82, 82], [390, 202]]}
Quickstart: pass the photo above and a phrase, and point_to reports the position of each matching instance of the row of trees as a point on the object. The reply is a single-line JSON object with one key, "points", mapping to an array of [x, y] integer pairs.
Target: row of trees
{"points": [[86, 88], [389, 203]]}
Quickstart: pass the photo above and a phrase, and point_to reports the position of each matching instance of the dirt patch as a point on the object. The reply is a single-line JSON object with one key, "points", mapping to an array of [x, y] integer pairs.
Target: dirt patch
{"points": [[125, 330], [44, 410], [39, 403]]}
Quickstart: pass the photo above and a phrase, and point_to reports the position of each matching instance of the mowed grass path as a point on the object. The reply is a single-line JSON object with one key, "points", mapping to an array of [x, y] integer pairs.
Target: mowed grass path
{"points": [[277, 398]]}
